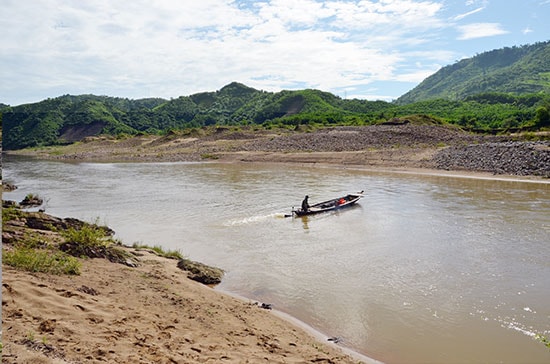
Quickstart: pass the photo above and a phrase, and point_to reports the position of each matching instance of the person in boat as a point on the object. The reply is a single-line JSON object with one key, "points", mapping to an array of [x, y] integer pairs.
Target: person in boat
{"points": [[305, 204]]}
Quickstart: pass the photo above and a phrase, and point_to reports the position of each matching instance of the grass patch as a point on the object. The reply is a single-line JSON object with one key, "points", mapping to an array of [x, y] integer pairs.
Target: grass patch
{"points": [[10, 213], [56, 152], [170, 254], [39, 260], [32, 240], [209, 156]]}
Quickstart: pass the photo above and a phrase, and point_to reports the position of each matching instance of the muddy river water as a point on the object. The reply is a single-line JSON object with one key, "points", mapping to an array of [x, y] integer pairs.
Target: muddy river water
{"points": [[425, 269]]}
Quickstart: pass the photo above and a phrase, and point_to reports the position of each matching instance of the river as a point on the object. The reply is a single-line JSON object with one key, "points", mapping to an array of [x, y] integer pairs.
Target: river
{"points": [[425, 269]]}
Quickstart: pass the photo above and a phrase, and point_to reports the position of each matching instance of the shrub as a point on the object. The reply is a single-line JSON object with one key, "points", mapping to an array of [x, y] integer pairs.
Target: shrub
{"points": [[93, 241], [542, 116], [32, 200], [87, 235]]}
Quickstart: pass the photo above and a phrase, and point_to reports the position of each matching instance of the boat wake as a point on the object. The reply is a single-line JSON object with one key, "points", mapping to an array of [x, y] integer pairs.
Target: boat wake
{"points": [[253, 219]]}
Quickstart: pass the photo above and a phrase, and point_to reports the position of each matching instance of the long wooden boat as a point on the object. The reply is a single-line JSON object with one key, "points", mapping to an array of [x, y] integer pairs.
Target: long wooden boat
{"points": [[330, 205]]}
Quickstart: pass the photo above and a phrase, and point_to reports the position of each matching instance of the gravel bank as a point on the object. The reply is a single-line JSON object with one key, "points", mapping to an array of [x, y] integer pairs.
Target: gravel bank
{"points": [[343, 139], [514, 158], [380, 146]]}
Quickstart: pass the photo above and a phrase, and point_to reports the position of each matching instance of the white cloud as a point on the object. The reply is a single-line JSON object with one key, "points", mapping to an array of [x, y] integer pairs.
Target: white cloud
{"points": [[475, 2], [294, 12], [383, 15], [169, 48], [462, 16], [480, 30], [417, 76]]}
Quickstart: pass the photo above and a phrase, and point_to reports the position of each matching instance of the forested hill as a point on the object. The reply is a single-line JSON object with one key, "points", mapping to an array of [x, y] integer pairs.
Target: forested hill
{"points": [[69, 118], [516, 70], [499, 90]]}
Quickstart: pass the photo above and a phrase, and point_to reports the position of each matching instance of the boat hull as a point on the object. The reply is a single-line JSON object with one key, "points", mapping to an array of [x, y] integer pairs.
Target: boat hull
{"points": [[330, 205]]}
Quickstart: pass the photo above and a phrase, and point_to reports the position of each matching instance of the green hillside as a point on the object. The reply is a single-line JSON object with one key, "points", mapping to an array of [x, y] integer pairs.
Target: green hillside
{"points": [[69, 118], [516, 70], [506, 89]]}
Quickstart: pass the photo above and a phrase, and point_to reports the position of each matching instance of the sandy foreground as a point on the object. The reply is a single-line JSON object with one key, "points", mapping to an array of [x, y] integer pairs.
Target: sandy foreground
{"points": [[149, 314]]}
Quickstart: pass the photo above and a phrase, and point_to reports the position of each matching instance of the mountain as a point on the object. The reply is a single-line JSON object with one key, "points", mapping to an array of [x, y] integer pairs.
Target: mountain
{"points": [[515, 70], [497, 90]]}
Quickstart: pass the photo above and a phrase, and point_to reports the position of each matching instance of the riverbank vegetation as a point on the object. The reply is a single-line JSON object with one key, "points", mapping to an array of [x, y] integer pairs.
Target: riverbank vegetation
{"points": [[159, 250], [41, 260], [67, 119], [37, 242]]}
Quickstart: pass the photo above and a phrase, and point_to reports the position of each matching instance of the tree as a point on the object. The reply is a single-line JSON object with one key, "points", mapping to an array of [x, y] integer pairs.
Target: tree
{"points": [[542, 116]]}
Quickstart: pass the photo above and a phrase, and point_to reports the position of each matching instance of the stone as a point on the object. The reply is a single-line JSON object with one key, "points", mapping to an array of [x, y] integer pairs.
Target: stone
{"points": [[201, 272]]}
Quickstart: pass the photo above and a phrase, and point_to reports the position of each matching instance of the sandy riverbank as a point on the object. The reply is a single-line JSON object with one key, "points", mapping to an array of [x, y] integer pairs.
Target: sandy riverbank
{"points": [[148, 314]]}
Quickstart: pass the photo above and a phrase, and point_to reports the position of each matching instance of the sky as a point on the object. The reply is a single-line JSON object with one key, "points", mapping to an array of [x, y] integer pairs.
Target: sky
{"points": [[367, 49]]}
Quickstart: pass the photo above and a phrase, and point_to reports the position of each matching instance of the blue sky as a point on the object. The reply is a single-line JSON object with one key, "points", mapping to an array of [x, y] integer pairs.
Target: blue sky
{"points": [[375, 50]]}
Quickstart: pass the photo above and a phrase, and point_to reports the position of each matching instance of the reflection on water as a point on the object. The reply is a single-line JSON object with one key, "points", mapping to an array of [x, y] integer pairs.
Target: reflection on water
{"points": [[423, 269]]}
